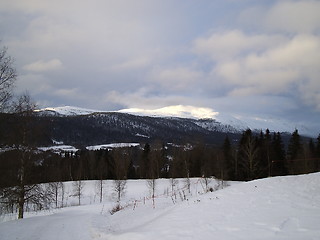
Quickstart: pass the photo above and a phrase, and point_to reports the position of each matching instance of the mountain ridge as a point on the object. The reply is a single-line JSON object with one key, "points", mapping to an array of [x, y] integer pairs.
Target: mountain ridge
{"points": [[203, 117]]}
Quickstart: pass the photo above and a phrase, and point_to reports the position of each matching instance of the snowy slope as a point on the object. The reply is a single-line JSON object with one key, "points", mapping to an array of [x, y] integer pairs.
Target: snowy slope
{"points": [[273, 208], [68, 110], [276, 208], [174, 111]]}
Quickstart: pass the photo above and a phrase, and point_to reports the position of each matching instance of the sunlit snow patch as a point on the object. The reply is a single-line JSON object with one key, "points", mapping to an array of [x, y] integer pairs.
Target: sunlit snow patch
{"points": [[174, 111], [59, 148], [111, 145]]}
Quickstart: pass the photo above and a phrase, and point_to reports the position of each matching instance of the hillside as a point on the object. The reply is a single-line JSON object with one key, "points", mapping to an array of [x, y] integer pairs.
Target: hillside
{"points": [[82, 127], [273, 208]]}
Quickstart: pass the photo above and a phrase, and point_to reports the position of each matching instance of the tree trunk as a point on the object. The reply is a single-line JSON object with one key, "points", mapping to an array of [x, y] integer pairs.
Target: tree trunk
{"points": [[21, 204], [101, 190]]}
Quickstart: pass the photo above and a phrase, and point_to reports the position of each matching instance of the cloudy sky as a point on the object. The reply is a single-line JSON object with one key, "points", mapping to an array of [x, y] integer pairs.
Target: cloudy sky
{"points": [[244, 57]]}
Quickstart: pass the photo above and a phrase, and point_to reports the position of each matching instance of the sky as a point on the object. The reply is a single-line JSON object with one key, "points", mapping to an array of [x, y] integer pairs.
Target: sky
{"points": [[243, 57]]}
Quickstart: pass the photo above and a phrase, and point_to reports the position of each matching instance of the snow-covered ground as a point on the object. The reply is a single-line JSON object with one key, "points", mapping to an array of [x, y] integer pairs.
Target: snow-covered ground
{"points": [[59, 148], [112, 145], [71, 149], [273, 208]]}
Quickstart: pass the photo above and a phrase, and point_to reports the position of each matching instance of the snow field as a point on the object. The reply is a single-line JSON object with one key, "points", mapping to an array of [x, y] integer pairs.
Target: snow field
{"points": [[273, 208]]}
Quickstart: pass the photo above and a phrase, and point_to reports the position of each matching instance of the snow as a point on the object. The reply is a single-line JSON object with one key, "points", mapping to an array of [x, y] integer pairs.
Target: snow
{"points": [[59, 148], [141, 135], [68, 148], [273, 208], [174, 111], [68, 110], [112, 145], [57, 142]]}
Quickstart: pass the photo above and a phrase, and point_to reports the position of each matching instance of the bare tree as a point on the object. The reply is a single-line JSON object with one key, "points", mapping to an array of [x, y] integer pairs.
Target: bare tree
{"points": [[152, 175], [173, 183], [120, 165], [119, 187], [206, 180], [78, 190], [22, 138], [8, 76], [102, 171], [99, 187], [37, 195], [151, 183], [57, 187]]}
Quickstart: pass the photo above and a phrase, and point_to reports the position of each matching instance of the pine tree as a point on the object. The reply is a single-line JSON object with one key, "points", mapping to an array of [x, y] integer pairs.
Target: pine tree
{"points": [[278, 156], [295, 153], [317, 154], [295, 146], [228, 166], [248, 153], [146, 160], [264, 142]]}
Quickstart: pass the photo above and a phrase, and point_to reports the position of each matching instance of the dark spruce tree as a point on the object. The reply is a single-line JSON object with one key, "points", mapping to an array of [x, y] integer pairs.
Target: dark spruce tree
{"points": [[317, 155], [278, 156], [295, 154], [248, 160], [228, 160], [264, 145]]}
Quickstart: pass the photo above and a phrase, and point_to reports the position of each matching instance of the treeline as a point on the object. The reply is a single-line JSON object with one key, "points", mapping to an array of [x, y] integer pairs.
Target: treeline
{"points": [[254, 156]]}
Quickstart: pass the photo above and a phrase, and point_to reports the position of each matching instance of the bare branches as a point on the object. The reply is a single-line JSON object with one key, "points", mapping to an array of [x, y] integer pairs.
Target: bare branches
{"points": [[78, 189], [119, 187], [24, 105], [8, 76]]}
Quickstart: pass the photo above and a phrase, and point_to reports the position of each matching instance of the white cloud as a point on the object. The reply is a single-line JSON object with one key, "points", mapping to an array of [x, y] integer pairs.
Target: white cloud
{"points": [[265, 64], [43, 66], [294, 16], [33, 79], [176, 79], [142, 98], [135, 63], [286, 16], [67, 93], [230, 44]]}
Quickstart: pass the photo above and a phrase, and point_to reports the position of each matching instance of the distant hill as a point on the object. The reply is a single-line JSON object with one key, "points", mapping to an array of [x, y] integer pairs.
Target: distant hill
{"points": [[82, 127]]}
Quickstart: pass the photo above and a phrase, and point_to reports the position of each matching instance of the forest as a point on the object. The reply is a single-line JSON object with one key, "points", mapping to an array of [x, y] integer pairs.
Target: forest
{"points": [[253, 156]]}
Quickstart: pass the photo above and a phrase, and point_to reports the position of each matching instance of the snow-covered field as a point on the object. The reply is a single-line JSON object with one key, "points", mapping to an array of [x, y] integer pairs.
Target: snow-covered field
{"points": [[273, 208]]}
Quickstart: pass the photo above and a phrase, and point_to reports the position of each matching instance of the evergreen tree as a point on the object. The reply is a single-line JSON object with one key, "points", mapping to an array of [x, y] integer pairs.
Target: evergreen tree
{"points": [[310, 157], [144, 161], [295, 153], [264, 166], [278, 156], [228, 161], [295, 146], [268, 150], [248, 153], [317, 154]]}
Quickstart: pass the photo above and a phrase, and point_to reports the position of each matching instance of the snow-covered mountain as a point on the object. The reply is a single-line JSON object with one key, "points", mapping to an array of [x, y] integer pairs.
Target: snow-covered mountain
{"points": [[66, 111], [203, 117]]}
